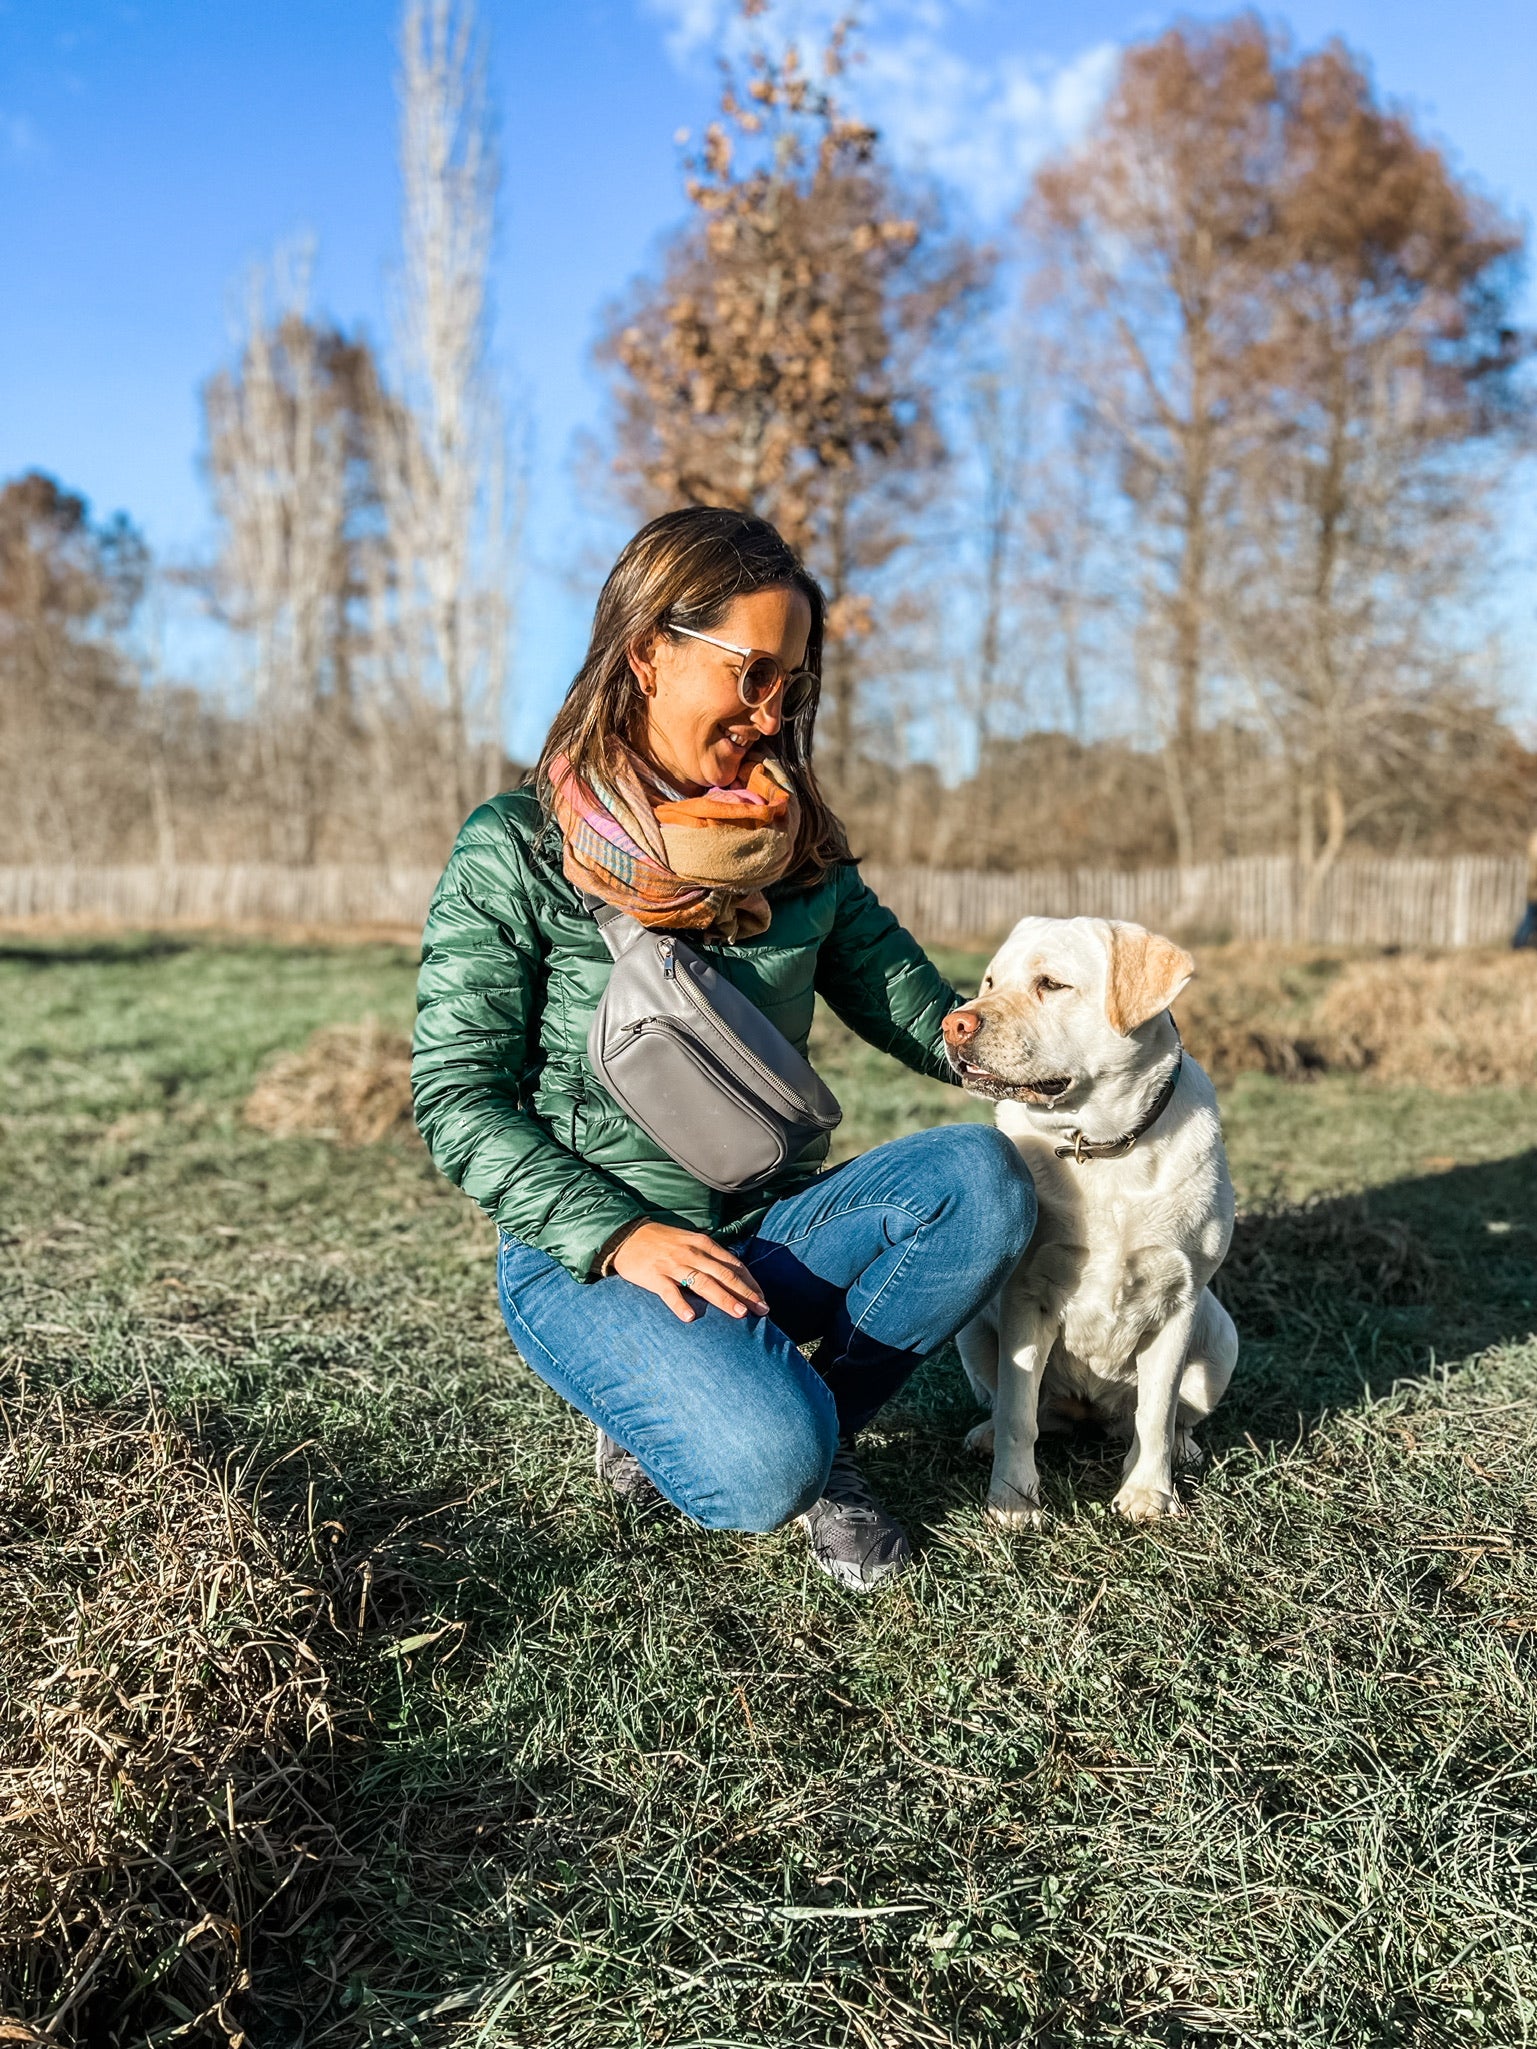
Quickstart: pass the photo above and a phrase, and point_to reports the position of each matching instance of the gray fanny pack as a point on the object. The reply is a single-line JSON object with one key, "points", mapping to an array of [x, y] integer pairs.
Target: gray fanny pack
{"points": [[696, 1064]]}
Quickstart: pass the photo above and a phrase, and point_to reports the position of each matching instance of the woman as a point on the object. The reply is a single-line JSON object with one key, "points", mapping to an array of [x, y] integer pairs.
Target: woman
{"points": [[677, 783]]}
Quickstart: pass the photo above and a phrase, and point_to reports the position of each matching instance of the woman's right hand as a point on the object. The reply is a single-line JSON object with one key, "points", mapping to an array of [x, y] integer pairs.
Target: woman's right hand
{"points": [[661, 1257]]}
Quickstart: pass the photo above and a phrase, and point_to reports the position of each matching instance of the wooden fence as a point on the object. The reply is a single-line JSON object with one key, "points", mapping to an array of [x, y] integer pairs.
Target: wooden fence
{"points": [[1462, 900], [1465, 900]]}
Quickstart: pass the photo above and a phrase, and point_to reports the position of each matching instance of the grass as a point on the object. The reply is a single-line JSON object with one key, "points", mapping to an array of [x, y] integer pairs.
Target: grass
{"points": [[1262, 1776]]}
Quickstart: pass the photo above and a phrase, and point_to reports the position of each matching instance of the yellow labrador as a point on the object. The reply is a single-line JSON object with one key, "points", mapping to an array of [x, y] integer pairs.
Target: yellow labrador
{"points": [[1109, 1311]]}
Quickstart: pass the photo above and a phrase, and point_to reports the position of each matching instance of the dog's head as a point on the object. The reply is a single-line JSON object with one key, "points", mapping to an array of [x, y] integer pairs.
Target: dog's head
{"points": [[1061, 1007]]}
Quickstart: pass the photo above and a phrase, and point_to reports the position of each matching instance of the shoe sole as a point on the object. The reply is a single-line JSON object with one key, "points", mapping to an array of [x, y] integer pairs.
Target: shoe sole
{"points": [[849, 1577]]}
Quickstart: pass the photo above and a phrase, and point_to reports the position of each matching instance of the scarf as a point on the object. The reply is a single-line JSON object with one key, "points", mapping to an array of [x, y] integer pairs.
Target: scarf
{"points": [[690, 864]]}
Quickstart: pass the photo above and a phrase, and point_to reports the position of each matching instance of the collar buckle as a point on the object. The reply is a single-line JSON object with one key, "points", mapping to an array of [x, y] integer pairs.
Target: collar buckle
{"points": [[1080, 1148]]}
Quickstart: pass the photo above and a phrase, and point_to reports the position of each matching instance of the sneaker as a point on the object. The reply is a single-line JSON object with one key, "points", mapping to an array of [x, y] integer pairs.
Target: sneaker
{"points": [[621, 1471], [853, 1539]]}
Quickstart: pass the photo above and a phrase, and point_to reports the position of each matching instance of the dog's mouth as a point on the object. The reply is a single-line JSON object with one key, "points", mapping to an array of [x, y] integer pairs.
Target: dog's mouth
{"points": [[978, 1080]]}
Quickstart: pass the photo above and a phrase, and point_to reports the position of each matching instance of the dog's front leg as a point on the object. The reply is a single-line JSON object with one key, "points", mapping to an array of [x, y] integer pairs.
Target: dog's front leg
{"points": [[1025, 1337], [1147, 1490]]}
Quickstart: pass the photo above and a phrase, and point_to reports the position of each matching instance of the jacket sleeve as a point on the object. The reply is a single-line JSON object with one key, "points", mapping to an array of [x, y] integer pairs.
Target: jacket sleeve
{"points": [[880, 981], [474, 1057]]}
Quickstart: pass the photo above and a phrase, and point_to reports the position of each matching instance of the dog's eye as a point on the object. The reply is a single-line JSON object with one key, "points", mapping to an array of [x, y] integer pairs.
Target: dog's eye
{"points": [[1044, 985]]}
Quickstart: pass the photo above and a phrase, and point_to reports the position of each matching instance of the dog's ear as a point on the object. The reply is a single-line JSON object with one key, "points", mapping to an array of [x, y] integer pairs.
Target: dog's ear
{"points": [[1146, 974]]}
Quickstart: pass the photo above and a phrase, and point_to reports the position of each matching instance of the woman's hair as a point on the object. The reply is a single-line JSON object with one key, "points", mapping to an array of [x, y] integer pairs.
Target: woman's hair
{"points": [[684, 569]]}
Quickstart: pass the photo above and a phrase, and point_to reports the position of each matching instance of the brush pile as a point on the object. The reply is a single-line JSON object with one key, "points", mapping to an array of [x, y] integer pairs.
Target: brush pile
{"points": [[175, 1680], [1442, 1021], [351, 1083], [1447, 1021]]}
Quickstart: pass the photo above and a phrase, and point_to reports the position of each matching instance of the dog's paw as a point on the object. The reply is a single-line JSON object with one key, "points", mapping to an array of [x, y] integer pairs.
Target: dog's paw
{"points": [[980, 1439], [1189, 1457], [1139, 1504], [1015, 1511]]}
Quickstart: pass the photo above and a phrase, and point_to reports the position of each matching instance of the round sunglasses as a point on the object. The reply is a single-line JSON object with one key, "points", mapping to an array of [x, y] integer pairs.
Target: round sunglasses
{"points": [[761, 675]]}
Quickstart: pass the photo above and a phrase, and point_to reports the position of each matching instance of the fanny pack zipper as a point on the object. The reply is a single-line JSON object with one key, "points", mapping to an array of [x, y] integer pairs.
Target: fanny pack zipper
{"points": [[674, 1030], [800, 1109]]}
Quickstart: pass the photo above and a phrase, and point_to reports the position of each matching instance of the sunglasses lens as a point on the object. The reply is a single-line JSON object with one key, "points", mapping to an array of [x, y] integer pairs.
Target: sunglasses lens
{"points": [[760, 679], [800, 688]]}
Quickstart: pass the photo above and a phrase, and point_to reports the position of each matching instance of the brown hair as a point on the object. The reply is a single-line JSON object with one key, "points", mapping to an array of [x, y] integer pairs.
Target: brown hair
{"points": [[684, 569]]}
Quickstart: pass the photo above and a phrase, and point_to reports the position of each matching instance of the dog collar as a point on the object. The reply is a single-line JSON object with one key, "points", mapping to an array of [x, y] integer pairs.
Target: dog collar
{"points": [[1078, 1148]]}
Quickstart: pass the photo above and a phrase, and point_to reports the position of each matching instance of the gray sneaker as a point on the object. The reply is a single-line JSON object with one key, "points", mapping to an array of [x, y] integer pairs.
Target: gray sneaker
{"points": [[623, 1473], [853, 1539]]}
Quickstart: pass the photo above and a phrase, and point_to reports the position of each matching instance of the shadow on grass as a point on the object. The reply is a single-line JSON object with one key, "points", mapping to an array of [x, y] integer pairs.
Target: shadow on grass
{"points": [[130, 950], [1335, 1299], [1344, 1295]]}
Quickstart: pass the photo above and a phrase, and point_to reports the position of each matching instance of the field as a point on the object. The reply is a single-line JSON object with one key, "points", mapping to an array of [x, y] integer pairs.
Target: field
{"points": [[532, 1768]]}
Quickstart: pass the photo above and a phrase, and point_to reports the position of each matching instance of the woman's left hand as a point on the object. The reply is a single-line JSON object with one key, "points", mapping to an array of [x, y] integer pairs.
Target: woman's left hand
{"points": [[667, 1261]]}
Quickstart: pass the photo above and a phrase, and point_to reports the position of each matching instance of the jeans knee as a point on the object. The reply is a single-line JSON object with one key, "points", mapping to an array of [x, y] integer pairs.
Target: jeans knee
{"points": [[777, 1475], [993, 1188]]}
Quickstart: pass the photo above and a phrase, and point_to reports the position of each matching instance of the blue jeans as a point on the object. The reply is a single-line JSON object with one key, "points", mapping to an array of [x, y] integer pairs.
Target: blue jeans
{"points": [[880, 1260]]}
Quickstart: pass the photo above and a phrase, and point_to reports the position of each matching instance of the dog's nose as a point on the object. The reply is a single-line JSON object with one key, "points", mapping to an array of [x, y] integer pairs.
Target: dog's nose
{"points": [[961, 1026]]}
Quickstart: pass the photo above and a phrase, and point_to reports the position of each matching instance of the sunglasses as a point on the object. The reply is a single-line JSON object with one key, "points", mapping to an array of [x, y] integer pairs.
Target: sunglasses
{"points": [[761, 675]]}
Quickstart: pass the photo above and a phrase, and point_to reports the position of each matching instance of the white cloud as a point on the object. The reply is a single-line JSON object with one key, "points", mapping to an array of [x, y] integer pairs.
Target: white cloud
{"points": [[980, 125], [980, 128], [691, 25], [20, 139]]}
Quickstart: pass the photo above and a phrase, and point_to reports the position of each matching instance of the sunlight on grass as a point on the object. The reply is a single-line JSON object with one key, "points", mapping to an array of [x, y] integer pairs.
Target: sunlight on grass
{"points": [[1260, 1776]]}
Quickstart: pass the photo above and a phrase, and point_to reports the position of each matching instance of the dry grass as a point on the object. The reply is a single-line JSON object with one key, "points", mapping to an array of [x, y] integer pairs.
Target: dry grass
{"points": [[1445, 1021], [349, 1082], [176, 1675], [1448, 1021]]}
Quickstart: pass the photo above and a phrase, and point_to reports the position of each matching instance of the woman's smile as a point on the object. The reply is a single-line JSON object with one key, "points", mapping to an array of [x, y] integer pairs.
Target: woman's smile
{"points": [[731, 746], [697, 729]]}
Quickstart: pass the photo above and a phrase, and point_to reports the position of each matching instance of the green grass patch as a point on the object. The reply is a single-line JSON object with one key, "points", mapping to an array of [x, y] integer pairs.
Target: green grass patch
{"points": [[1262, 1776]]}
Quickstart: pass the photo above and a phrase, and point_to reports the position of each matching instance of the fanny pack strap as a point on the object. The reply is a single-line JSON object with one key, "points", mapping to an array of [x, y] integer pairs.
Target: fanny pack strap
{"points": [[618, 929]]}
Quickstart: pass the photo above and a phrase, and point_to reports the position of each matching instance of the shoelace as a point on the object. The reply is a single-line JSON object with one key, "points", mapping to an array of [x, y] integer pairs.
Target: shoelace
{"points": [[848, 1489]]}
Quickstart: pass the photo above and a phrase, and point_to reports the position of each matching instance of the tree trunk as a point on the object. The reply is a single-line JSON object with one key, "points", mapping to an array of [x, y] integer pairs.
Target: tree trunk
{"points": [[1179, 806]]}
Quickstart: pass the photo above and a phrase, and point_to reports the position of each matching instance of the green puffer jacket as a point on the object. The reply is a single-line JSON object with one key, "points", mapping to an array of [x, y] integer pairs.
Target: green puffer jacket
{"points": [[512, 969]]}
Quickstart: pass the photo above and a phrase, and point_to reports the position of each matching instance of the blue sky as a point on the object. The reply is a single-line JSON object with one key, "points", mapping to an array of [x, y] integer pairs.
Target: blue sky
{"points": [[149, 153]]}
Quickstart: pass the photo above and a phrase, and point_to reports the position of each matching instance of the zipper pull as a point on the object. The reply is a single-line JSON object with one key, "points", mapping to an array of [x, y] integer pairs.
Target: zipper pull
{"points": [[669, 962]]}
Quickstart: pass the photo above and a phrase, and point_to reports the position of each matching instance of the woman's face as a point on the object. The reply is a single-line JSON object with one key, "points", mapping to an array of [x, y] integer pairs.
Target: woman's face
{"points": [[697, 729]]}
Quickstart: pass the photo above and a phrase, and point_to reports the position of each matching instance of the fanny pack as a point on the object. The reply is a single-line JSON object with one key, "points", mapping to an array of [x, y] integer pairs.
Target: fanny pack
{"points": [[696, 1064]]}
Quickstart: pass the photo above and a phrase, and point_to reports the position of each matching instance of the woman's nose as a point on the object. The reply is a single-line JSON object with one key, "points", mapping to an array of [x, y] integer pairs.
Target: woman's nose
{"points": [[767, 717]]}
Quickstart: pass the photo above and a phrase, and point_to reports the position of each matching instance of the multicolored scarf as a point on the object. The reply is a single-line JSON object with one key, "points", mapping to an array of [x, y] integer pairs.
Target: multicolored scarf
{"points": [[691, 864]]}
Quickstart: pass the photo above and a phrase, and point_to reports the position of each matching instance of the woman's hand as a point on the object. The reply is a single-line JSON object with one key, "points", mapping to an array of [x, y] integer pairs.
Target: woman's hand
{"points": [[663, 1258]]}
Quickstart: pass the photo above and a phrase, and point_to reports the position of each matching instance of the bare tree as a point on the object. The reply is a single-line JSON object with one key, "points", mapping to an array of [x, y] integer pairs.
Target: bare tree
{"points": [[1364, 518], [974, 601], [281, 438], [1068, 598], [68, 587], [443, 609], [1151, 235], [998, 409], [777, 363]]}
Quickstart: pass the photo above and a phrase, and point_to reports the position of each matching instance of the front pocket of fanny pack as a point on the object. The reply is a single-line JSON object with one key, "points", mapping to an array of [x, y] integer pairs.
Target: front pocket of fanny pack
{"points": [[694, 1109], [790, 1102]]}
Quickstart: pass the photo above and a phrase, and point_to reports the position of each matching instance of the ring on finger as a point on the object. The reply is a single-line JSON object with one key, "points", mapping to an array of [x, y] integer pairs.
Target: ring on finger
{"points": [[687, 1280]]}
